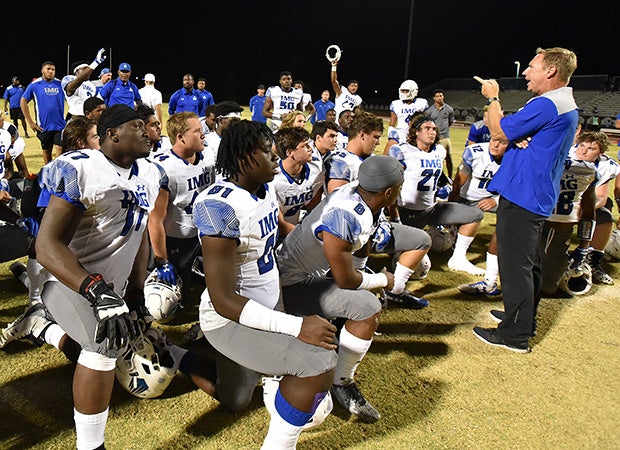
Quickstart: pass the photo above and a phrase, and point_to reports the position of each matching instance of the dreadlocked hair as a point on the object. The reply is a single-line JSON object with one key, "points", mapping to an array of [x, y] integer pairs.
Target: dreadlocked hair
{"points": [[239, 141]]}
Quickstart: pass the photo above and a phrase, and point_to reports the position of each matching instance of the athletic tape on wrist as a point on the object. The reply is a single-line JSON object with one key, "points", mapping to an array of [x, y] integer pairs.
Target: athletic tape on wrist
{"points": [[255, 315], [373, 280]]}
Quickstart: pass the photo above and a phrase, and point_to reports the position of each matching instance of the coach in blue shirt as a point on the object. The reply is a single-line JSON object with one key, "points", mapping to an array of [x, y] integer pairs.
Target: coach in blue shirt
{"points": [[528, 181], [121, 89], [187, 98], [321, 107]]}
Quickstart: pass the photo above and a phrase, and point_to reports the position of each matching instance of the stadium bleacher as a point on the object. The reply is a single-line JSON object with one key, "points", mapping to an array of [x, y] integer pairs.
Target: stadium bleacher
{"points": [[598, 96]]}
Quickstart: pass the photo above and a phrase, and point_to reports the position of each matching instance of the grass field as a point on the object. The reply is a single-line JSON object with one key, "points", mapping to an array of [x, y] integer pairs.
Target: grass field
{"points": [[435, 384]]}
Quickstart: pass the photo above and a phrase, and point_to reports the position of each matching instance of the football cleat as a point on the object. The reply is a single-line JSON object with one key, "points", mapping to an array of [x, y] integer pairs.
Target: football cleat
{"points": [[480, 287], [31, 324], [599, 276], [407, 300], [351, 398]]}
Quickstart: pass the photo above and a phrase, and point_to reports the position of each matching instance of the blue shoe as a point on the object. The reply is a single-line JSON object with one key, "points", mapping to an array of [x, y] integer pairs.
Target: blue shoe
{"points": [[407, 300]]}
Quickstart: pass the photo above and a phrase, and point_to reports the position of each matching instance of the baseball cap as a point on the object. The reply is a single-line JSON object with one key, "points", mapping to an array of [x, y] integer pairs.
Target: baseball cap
{"points": [[104, 71], [379, 172], [149, 77], [125, 66]]}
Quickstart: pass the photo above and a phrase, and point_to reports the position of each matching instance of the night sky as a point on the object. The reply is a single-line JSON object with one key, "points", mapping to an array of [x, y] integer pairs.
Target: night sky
{"points": [[236, 45]]}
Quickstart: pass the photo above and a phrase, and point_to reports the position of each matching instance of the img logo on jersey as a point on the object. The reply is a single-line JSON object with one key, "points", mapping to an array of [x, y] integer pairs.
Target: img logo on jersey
{"points": [[130, 201], [204, 179], [268, 223]]}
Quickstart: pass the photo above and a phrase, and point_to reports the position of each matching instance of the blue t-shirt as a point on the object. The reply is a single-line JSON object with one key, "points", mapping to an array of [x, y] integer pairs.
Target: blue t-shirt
{"points": [[13, 94], [321, 109], [49, 100], [530, 177], [256, 107]]}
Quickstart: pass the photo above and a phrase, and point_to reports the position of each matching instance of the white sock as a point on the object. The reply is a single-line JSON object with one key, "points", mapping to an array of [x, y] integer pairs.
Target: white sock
{"points": [[281, 434], [90, 429], [492, 271], [350, 353], [462, 245], [401, 276], [53, 335]]}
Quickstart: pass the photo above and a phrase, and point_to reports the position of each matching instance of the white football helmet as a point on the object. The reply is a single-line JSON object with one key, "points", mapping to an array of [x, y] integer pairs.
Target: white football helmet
{"points": [[613, 245], [408, 90], [333, 53], [442, 237], [577, 281], [161, 299], [146, 368], [421, 270], [270, 387]]}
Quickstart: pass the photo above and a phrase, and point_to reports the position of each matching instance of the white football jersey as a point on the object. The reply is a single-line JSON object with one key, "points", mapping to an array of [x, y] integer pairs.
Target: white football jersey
{"points": [[607, 170], [212, 145], [295, 193], [346, 100], [342, 140], [403, 112], [185, 182], [342, 165], [480, 165], [227, 211], [115, 202], [5, 144], [306, 99], [344, 214], [283, 102], [76, 101], [422, 170], [576, 178]]}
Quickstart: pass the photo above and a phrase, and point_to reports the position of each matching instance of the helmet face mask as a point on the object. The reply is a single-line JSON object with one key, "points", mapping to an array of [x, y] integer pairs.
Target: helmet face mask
{"points": [[145, 370], [408, 90]]}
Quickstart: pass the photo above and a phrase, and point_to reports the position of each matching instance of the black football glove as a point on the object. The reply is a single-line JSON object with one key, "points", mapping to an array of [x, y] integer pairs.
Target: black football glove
{"points": [[142, 318], [111, 312]]}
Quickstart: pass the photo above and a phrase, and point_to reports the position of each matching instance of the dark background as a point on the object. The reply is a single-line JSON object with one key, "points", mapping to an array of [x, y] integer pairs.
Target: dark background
{"points": [[236, 44]]}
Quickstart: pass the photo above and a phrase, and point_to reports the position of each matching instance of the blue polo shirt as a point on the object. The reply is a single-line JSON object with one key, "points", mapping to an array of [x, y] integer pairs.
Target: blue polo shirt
{"points": [[321, 109], [115, 91], [49, 98], [184, 100], [530, 177], [256, 107]]}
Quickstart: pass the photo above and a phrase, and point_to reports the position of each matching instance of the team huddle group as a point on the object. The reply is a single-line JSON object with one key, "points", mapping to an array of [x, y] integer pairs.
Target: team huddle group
{"points": [[279, 223]]}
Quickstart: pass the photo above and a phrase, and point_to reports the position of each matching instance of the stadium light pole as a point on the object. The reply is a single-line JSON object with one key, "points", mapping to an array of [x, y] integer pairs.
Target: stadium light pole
{"points": [[518, 68], [409, 40]]}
